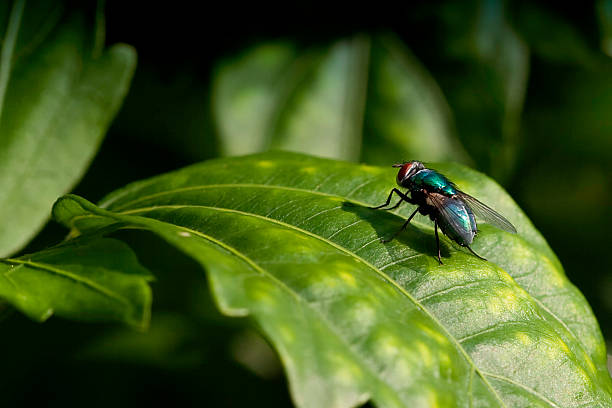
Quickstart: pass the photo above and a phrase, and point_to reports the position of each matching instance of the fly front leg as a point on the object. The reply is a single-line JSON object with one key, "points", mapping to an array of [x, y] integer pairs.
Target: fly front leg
{"points": [[403, 197]]}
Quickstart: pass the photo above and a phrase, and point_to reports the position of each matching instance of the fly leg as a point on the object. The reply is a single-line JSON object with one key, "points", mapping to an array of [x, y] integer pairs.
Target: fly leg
{"points": [[403, 197], [396, 205], [438, 241], [401, 229], [474, 253]]}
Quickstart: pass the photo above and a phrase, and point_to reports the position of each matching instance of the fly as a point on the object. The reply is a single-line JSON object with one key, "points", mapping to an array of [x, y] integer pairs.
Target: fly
{"points": [[448, 207]]}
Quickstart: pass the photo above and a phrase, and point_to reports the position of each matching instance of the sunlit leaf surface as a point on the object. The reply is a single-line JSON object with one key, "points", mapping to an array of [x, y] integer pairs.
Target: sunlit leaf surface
{"points": [[91, 280], [289, 240], [58, 94]]}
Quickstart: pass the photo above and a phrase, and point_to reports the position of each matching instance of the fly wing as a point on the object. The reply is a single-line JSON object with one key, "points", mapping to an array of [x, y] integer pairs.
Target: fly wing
{"points": [[487, 213], [455, 220]]}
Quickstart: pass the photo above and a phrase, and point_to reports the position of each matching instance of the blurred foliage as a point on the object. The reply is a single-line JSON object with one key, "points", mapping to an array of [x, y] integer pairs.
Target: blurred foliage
{"points": [[482, 66], [95, 279], [565, 180], [360, 99], [604, 12], [523, 87], [59, 91]]}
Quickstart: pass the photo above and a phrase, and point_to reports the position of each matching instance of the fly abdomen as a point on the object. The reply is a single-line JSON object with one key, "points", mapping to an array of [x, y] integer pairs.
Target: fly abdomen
{"points": [[456, 220]]}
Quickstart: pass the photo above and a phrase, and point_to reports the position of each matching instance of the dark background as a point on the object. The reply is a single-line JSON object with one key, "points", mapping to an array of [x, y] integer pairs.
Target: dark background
{"points": [[561, 175]]}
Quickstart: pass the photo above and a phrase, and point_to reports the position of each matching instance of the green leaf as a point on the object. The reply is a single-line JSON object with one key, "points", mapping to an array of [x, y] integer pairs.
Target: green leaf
{"points": [[245, 95], [91, 280], [484, 71], [406, 115], [337, 101], [604, 12], [289, 239], [57, 98], [537, 24]]}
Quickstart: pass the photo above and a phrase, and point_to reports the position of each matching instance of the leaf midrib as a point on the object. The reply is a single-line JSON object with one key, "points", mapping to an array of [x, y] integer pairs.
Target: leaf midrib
{"points": [[421, 224], [521, 386], [458, 346], [47, 268], [385, 277], [96, 212], [253, 185], [253, 265], [330, 325], [342, 249], [316, 192]]}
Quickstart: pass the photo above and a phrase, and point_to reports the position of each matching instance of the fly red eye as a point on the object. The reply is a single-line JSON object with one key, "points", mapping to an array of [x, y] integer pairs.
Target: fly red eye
{"points": [[401, 174]]}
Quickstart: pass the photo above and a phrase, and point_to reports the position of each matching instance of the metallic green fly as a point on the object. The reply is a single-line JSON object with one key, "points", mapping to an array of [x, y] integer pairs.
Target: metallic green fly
{"points": [[448, 207]]}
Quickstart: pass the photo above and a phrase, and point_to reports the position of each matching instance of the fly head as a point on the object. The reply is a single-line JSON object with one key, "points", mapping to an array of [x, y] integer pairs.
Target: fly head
{"points": [[407, 170]]}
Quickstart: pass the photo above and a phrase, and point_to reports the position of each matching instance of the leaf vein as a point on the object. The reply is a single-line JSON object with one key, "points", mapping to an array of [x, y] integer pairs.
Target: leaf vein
{"points": [[125, 205], [365, 183], [302, 190], [452, 289], [529, 390], [283, 285], [366, 244], [342, 249], [319, 213], [491, 329], [345, 227], [69, 275], [397, 261]]}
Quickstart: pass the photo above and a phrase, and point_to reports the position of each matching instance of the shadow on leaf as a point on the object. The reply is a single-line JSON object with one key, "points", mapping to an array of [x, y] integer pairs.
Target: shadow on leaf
{"points": [[414, 238]]}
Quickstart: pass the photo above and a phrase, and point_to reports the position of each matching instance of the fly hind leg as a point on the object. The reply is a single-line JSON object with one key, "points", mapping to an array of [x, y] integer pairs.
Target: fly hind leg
{"points": [[438, 241], [474, 253]]}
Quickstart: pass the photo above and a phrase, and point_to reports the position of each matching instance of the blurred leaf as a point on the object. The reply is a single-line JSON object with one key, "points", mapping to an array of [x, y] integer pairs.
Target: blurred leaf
{"points": [[245, 94], [484, 76], [604, 12], [57, 98], [320, 100], [566, 174], [254, 353], [168, 343], [328, 101], [574, 118], [551, 37], [407, 116], [91, 280], [291, 242]]}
